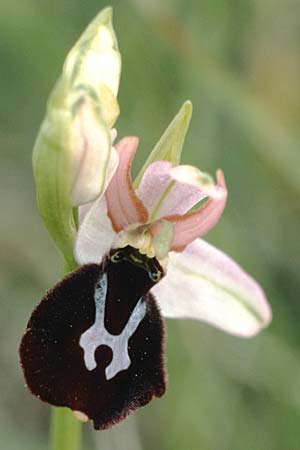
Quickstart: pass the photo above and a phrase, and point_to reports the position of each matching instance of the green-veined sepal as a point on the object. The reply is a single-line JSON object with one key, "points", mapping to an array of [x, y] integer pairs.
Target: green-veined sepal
{"points": [[169, 147]]}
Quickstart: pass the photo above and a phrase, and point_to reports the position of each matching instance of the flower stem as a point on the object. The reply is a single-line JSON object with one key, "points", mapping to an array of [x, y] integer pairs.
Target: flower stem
{"points": [[65, 430]]}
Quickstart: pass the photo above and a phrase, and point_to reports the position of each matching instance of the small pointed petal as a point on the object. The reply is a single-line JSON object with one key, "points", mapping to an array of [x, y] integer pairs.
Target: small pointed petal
{"points": [[164, 191], [124, 206], [202, 283], [195, 224], [169, 147], [95, 234]]}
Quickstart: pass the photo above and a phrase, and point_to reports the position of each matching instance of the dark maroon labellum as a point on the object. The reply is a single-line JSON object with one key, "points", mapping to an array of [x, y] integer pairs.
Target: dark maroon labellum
{"points": [[95, 343]]}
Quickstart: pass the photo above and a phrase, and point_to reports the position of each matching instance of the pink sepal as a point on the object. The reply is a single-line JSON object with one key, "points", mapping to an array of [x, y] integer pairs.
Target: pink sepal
{"points": [[188, 227], [203, 283], [163, 195]]}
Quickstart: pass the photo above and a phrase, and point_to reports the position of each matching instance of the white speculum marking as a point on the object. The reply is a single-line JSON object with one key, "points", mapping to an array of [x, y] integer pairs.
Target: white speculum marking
{"points": [[97, 334]]}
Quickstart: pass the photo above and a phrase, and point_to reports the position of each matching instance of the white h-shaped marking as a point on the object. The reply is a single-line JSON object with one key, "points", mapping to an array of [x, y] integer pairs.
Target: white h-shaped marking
{"points": [[97, 334]]}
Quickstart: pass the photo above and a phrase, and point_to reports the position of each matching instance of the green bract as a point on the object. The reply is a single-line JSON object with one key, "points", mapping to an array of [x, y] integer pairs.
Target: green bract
{"points": [[73, 151]]}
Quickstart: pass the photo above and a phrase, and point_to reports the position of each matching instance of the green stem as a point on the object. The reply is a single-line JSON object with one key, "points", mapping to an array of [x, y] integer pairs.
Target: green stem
{"points": [[65, 433], [65, 430]]}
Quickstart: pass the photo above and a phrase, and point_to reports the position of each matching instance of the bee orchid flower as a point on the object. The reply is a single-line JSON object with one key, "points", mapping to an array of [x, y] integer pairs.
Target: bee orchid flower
{"points": [[200, 281], [95, 343]]}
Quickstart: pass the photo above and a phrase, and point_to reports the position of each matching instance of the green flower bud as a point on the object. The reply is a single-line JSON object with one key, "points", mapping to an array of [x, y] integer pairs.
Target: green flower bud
{"points": [[73, 155]]}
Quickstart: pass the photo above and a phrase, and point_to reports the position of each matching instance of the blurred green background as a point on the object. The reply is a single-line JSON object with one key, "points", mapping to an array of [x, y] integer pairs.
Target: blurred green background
{"points": [[239, 63]]}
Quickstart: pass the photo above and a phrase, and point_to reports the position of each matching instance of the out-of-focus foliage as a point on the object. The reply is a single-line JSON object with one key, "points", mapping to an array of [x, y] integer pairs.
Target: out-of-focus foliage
{"points": [[239, 63]]}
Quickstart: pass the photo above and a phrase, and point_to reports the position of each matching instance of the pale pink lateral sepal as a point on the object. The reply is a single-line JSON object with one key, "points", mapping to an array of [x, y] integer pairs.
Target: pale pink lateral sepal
{"points": [[194, 224], [163, 195], [95, 234], [203, 283], [123, 204]]}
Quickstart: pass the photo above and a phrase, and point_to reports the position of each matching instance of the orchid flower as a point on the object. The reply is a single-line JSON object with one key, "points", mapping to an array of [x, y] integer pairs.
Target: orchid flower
{"points": [[201, 282], [95, 343]]}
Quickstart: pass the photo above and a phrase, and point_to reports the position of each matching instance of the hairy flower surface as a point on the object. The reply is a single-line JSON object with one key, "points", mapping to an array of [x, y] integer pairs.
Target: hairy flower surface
{"points": [[95, 343]]}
